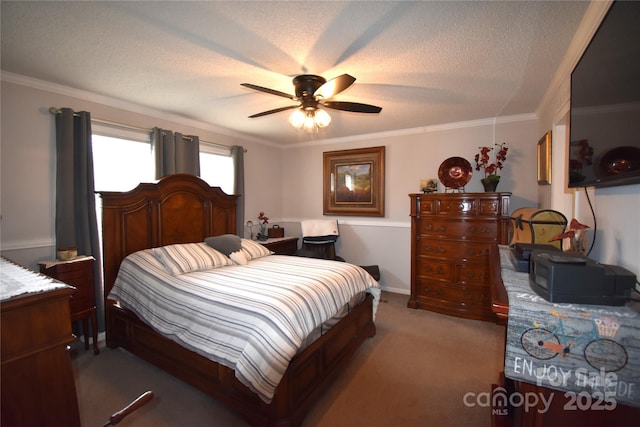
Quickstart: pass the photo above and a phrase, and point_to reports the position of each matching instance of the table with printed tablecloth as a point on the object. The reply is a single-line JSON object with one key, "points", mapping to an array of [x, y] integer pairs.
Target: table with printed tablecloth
{"points": [[590, 352]]}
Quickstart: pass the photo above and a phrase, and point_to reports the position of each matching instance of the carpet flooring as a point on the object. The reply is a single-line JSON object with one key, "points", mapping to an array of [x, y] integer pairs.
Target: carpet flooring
{"points": [[414, 372]]}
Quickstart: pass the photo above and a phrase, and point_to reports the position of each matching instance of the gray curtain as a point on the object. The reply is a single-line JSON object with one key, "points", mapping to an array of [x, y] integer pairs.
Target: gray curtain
{"points": [[76, 222], [237, 154], [175, 152]]}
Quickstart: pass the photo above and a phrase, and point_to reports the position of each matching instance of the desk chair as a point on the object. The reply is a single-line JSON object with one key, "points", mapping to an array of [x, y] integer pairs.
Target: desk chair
{"points": [[318, 241], [319, 238]]}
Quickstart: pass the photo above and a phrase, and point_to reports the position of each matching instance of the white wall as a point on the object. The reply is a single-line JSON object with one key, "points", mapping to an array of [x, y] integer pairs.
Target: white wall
{"points": [[411, 155]]}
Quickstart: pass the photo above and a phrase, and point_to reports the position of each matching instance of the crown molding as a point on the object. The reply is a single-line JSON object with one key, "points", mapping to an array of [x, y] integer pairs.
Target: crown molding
{"points": [[421, 130]]}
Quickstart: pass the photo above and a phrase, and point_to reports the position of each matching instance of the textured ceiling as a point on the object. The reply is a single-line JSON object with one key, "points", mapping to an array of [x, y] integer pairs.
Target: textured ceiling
{"points": [[424, 63]]}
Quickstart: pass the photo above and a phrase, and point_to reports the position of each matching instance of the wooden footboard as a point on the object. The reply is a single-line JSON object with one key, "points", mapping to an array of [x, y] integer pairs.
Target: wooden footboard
{"points": [[308, 375]]}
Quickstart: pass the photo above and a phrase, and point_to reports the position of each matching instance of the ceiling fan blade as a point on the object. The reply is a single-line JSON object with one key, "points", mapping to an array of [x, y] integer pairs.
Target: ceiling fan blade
{"points": [[276, 110], [352, 106], [267, 90], [335, 86]]}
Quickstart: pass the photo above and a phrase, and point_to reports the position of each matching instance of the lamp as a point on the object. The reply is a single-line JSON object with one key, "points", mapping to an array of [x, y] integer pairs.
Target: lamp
{"points": [[309, 119]]}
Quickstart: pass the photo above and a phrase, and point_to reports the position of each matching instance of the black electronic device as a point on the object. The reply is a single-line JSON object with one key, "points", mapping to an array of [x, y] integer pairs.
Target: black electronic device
{"points": [[605, 98], [561, 277], [522, 254]]}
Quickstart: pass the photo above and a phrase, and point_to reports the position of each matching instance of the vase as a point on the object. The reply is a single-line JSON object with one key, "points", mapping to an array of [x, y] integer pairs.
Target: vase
{"points": [[490, 185]]}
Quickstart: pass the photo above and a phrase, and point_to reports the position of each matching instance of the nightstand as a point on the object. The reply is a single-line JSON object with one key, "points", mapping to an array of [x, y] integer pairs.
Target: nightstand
{"points": [[79, 274], [281, 245]]}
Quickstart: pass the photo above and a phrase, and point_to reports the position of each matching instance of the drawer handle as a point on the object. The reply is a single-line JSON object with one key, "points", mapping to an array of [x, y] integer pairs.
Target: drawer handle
{"points": [[477, 252], [438, 270], [481, 276], [483, 230], [432, 290], [439, 249], [430, 227]]}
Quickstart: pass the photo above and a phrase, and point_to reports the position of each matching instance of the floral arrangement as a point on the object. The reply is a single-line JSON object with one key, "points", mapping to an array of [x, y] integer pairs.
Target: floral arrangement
{"points": [[575, 236], [263, 221], [483, 161]]}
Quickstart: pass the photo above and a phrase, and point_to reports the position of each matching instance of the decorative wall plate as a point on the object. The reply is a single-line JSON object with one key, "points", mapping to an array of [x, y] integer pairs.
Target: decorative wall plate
{"points": [[455, 172]]}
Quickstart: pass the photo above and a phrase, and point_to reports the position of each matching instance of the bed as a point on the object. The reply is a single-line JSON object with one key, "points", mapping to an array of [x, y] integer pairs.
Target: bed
{"points": [[182, 209]]}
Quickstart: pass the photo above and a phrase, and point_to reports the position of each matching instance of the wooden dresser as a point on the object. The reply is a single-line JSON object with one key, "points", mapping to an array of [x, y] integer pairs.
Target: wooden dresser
{"points": [[451, 234], [38, 386]]}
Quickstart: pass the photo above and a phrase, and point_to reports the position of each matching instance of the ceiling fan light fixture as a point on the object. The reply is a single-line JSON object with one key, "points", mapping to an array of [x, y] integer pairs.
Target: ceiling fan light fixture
{"points": [[309, 119], [309, 124], [296, 119], [312, 91], [322, 118]]}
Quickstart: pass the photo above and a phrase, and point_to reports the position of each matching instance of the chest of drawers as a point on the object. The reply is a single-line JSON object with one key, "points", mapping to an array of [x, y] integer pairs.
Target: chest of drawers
{"points": [[451, 234], [79, 274]]}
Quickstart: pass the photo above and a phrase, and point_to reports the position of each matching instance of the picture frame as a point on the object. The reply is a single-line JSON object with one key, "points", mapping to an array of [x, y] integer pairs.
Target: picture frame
{"points": [[353, 182], [544, 159]]}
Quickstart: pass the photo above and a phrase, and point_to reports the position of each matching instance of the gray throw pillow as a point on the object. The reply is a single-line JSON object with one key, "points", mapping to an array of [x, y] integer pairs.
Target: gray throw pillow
{"points": [[226, 243]]}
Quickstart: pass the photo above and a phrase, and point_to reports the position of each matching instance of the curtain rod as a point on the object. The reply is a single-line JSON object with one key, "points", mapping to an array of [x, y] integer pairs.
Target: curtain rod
{"points": [[54, 111]]}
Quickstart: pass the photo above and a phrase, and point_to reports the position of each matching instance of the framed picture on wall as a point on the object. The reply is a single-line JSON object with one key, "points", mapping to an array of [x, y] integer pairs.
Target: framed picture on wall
{"points": [[544, 159], [353, 182]]}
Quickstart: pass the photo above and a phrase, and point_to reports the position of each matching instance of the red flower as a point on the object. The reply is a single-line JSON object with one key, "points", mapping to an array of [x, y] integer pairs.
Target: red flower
{"points": [[263, 218], [483, 160]]}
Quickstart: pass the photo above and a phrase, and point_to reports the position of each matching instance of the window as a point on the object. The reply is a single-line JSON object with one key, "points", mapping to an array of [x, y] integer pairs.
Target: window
{"points": [[216, 167], [122, 159], [121, 164]]}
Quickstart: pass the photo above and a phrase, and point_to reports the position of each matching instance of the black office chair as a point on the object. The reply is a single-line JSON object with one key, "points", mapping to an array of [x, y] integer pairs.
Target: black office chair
{"points": [[318, 239]]}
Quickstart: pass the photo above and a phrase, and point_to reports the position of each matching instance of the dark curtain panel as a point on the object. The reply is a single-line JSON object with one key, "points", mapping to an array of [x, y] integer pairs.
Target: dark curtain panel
{"points": [[175, 152], [237, 154], [76, 222]]}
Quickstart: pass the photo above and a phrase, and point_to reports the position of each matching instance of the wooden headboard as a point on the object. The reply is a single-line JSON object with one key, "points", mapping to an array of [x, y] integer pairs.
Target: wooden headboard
{"points": [[179, 208]]}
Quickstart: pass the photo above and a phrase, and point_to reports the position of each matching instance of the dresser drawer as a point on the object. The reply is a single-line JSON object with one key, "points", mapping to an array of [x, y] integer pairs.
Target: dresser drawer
{"points": [[454, 295], [460, 207], [449, 250], [456, 273], [472, 273], [473, 230], [438, 270]]}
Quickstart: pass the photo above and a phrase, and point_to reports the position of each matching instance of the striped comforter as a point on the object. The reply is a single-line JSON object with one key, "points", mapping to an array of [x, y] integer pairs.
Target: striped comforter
{"points": [[251, 318]]}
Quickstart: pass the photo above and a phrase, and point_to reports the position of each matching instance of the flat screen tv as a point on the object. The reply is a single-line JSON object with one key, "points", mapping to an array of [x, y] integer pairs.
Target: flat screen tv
{"points": [[605, 103]]}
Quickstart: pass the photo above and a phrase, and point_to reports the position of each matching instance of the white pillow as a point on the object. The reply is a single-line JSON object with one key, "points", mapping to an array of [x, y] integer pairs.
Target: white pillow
{"points": [[254, 250], [185, 257], [239, 257]]}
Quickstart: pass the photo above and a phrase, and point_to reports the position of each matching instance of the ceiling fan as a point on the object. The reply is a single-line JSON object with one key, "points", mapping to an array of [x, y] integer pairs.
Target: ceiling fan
{"points": [[313, 92]]}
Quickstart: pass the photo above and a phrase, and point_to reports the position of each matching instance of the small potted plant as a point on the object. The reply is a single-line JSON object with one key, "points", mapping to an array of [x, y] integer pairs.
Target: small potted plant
{"points": [[490, 169], [263, 220]]}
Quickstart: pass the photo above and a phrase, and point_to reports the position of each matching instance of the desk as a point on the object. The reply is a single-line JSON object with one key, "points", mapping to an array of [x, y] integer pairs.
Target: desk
{"points": [[568, 405]]}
